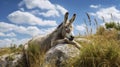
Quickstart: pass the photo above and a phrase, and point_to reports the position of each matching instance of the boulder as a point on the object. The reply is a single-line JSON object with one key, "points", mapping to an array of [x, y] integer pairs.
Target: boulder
{"points": [[61, 55]]}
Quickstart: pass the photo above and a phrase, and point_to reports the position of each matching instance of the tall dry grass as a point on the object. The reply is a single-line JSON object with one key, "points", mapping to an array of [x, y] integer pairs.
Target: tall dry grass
{"points": [[104, 51]]}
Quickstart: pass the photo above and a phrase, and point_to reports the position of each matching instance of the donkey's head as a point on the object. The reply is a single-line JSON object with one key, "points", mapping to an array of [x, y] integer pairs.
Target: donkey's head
{"points": [[66, 27]]}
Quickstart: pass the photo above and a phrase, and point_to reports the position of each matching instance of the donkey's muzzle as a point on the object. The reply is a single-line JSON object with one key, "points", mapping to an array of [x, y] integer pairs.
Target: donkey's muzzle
{"points": [[71, 38]]}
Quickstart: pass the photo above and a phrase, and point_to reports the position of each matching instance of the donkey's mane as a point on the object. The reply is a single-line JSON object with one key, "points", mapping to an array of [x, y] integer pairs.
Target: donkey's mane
{"points": [[60, 25]]}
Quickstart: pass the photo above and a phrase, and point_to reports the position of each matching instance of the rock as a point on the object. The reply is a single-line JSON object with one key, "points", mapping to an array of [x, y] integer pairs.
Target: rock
{"points": [[61, 55], [9, 60]]}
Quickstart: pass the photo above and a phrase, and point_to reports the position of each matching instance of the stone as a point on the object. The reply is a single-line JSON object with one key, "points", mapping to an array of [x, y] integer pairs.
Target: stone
{"points": [[61, 54]]}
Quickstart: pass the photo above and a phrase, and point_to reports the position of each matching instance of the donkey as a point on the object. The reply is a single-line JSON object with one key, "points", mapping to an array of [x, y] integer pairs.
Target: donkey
{"points": [[62, 34]]}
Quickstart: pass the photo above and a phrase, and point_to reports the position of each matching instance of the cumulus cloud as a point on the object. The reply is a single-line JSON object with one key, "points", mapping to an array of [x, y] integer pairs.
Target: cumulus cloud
{"points": [[50, 9], [20, 17], [47, 31], [106, 13], [6, 28], [42, 4], [94, 6], [26, 22], [30, 30], [11, 34], [7, 41], [54, 12], [80, 27], [50, 13], [61, 9]]}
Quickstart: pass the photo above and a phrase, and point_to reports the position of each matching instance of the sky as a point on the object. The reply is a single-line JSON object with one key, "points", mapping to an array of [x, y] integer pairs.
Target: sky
{"points": [[20, 20]]}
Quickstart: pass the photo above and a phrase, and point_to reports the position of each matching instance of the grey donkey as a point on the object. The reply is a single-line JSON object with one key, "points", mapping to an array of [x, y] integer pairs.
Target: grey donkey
{"points": [[62, 34]]}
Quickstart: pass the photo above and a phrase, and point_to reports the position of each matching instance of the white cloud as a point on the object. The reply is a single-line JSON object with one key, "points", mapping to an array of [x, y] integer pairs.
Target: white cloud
{"points": [[61, 9], [42, 4], [35, 12], [20, 17], [50, 13], [54, 12], [94, 6], [50, 9], [7, 41], [106, 13], [11, 34], [5, 27], [80, 27], [44, 8], [2, 34], [30, 30], [93, 14], [48, 30]]}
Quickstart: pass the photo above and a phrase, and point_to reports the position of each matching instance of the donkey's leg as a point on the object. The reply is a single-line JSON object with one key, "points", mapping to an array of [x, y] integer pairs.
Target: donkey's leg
{"points": [[60, 41], [75, 44]]}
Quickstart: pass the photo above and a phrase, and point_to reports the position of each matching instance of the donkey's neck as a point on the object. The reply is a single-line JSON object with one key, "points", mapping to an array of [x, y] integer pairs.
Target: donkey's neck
{"points": [[56, 34], [59, 36]]}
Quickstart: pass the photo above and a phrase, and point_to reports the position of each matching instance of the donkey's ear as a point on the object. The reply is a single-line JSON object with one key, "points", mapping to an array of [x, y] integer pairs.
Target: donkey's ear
{"points": [[72, 19], [65, 17]]}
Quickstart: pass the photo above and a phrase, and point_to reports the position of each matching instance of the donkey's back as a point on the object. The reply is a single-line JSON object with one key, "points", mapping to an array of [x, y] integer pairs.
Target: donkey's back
{"points": [[43, 42]]}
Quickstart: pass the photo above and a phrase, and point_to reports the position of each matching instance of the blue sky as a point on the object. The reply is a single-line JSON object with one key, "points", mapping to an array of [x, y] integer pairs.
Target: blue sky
{"points": [[20, 20]]}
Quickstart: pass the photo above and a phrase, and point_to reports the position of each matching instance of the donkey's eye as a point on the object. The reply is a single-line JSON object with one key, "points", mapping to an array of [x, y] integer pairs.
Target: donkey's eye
{"points": [[66, 27]]}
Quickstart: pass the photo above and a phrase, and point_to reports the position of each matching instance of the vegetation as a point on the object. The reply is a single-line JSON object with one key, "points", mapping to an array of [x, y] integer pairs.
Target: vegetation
{"points": [[12, 49], [32, 57], [104, 51]]}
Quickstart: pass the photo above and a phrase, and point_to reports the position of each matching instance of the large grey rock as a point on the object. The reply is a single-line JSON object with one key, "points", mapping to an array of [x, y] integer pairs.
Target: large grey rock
{"points": [[61, 54]]}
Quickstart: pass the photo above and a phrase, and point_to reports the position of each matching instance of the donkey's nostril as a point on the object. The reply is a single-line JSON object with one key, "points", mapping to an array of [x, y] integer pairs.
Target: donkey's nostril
{"points": [[71, 38]]}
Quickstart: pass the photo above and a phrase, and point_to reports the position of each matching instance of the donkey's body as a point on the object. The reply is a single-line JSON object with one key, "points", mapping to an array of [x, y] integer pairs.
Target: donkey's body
{"points": [[62, 34], [45, 42]]}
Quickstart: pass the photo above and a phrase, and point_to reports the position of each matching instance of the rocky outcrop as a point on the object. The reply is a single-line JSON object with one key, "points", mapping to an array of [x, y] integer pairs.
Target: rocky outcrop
{"points": [[61, 55]]}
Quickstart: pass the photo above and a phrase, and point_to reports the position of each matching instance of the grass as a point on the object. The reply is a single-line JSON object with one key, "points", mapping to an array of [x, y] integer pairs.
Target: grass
{"points": [[103, 51], [4, 51], [32, 57]]}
